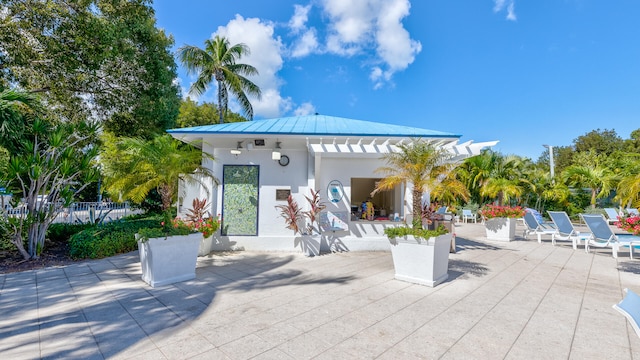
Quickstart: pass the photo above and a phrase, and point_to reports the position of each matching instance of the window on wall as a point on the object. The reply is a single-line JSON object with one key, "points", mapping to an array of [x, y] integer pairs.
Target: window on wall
{"points": [[385, 202], [240, 196]]}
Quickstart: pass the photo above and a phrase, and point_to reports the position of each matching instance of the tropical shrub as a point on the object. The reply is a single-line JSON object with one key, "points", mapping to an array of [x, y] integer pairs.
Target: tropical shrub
{"points": [[63, 232], [108, 239], [630, 223], [393, 232]]}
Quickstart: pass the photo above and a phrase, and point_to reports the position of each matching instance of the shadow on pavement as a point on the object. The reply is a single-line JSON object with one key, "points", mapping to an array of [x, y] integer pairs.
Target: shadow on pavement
{"points": [[101, 308]]}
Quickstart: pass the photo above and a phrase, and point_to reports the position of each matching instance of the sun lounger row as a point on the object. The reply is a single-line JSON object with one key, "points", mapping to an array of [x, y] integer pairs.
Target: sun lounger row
{"points": [[561, 228]]}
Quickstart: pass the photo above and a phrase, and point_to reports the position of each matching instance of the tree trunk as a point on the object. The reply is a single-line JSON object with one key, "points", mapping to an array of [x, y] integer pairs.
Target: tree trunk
{"points": [[417, 208], [220, 107], [16, 239], [594, 193], [165, 195]]}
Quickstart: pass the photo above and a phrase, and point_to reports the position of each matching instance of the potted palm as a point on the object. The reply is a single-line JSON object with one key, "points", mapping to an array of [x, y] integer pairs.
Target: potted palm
{"points": [[500, 221], [419, 256], [132, 168], [310, 237]]}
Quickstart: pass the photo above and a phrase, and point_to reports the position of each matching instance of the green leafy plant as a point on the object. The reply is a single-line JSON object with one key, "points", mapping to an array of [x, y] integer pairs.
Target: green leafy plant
{"points": [[393, 232], [108, 239]]}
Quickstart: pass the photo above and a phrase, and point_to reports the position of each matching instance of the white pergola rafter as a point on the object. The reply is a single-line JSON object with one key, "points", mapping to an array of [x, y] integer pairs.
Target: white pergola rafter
{"points": [[372, 148]]}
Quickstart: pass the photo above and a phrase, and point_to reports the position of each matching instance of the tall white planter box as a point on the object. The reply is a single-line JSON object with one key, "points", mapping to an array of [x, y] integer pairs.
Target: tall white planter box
{"points": [[501, 229], [169, 260], [421, 261]]}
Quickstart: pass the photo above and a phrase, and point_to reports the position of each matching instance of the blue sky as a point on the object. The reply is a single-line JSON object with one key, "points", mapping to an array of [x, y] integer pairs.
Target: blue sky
{"points": [[526, 73]]}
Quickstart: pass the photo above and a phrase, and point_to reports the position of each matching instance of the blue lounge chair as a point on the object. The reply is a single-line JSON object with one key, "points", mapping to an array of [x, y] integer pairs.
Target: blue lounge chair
{"points": [[565, 229], [612, 215], [632, 211], [532, 226], [468, 215], [630, 308], [603, 236]]}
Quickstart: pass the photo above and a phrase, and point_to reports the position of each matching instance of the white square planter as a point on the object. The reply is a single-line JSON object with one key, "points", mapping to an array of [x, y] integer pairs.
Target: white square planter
{"points": [[501, 229], [169, 260], [421, 261]]}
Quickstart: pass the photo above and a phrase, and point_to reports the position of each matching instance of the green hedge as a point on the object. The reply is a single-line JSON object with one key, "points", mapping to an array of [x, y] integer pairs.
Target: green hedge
{"points": [[63, 232], [108, 239]]}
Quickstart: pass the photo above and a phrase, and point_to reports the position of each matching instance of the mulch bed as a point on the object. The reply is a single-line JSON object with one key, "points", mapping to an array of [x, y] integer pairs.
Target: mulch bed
{"points": [[55, 254]]}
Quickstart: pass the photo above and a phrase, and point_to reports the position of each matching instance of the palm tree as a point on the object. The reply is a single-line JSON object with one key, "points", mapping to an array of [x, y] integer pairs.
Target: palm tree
{"points": [[628, 189], [493, 175], [419, 163], [132, 167], [597, 178], [218, 60], [15, 108]]}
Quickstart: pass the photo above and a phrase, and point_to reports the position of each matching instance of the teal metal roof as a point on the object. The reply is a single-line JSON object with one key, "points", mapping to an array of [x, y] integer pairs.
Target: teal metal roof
{"points": [[313, 125]]}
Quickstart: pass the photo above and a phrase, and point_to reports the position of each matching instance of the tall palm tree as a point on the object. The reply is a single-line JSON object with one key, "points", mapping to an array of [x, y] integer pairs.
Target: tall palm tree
{"points": [[419, 163], [219, 60], [132, 167]]}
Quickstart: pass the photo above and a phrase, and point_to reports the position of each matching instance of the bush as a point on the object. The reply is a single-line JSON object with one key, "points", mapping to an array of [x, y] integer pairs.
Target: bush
{"points": [[108, 239], [63, 232], [393, 232], [5, 235]]}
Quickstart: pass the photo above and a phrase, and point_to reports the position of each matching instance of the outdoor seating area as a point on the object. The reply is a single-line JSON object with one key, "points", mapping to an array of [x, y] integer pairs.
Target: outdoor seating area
{"points": [[345, 305]]}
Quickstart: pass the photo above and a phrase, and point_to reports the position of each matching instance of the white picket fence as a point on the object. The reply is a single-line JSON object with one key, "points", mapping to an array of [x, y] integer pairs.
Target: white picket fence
{"points": [[86, 212]]}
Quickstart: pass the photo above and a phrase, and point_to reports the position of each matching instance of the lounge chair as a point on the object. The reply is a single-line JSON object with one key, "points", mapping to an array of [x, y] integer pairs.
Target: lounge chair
{"points": [[565, 229], [603, 236], [468, 215], [632, 211], [612, 215], [630, 308], [532, 226]]}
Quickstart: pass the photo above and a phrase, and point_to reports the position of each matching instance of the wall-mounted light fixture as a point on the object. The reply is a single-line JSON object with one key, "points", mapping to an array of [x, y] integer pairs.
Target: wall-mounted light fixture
{"points": [[238, 150], [275, 155]]}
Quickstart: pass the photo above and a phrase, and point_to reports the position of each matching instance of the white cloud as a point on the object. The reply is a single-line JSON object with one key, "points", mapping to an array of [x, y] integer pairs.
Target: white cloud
{"points": [[509, 5], [298, 21], [359, 26], [306, 44], [266, 57], [306, 108]]}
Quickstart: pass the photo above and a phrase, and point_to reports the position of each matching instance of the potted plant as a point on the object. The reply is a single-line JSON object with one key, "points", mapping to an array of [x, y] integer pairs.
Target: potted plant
{"points": [[310, 237], [419, 256], [500, 221], [168, 254], [200, 219]]}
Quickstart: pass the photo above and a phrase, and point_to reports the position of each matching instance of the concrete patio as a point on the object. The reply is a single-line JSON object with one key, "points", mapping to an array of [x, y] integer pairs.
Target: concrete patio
{"points": [[517, 300]]}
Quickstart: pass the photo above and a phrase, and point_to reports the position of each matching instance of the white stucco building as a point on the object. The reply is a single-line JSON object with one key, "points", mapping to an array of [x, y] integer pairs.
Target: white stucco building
{"points": [[259, 163]]}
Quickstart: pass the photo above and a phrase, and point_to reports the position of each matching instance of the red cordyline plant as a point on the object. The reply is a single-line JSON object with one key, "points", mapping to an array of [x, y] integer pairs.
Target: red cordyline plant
{"points": [[316, 207], [292, 213], [198, 210], [630, 223], [197, 219], [494, 211]]}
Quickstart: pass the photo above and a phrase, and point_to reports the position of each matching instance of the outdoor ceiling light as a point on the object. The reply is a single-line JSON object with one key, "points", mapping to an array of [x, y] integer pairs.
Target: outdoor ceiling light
{"points": [[275, 155], [238, 150]]}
